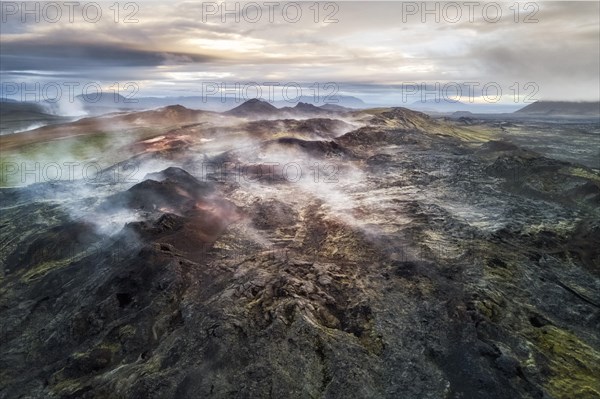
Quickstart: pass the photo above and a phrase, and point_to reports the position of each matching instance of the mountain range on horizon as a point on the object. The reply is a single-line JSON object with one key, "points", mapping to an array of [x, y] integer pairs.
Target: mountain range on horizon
{"points": [[557, 108], [18, 116], [109, 102]]}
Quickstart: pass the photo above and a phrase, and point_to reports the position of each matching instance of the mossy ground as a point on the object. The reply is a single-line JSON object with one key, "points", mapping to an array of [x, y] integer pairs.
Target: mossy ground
{"points": [[101, 147], [574, 365]]}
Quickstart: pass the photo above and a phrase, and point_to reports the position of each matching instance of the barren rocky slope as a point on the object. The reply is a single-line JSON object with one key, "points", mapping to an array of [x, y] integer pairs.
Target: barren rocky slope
{"points": [[382, 255]]}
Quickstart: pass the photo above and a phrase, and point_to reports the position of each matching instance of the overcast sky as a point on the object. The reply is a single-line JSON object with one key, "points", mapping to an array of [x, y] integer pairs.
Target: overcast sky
{"points": [[374, 50]]}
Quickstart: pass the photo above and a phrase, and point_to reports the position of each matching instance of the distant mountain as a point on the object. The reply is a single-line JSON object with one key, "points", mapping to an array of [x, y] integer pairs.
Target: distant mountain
{"points": [[194, 102], [103, 98], [254, 108], [462, 114], [218, 104], [339, 100], [92, 105], [304, 109], [209, 103], [308, 108], [446, 106], [335, 108], [439, 104], [16, 116], [8, 106], [564, 108], [172, 114]]}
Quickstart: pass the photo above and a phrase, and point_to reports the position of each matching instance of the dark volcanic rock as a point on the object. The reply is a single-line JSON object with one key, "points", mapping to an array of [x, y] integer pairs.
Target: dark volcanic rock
{"points": [[172, 190], [432, 267], [495, 145], [530, 174], [57, 244], [313, 127], [272, 214], [315, 148], [368, 136]]}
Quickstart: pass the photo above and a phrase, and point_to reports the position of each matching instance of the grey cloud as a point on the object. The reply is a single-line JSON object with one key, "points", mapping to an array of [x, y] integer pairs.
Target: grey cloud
{"points": [[36, 55], [370, 48]]}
